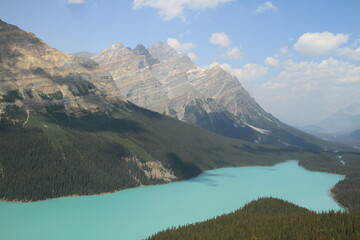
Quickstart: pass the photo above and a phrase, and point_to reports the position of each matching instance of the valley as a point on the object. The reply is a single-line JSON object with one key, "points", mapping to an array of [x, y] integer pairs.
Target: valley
{"points": [[83, 137], [125, 142]]}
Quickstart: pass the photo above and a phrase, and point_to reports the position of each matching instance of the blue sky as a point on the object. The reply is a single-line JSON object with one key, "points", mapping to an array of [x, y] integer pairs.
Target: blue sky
{"points": [[299, 59]]}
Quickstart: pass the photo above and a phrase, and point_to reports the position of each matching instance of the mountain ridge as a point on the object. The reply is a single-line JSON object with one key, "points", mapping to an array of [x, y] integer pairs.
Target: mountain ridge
{"points": [[65, 129], [210, 98], [341, 122], [36, 75]]}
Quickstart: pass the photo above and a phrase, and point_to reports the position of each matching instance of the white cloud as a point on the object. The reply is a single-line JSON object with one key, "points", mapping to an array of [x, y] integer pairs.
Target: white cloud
{"points": [[220, 38], [232, 53], [192, 56], [266, 6], [275, 85], [174, 43], [320, 44], [170, 9], [306, 92], [350, 53], [271, 61], [284, 50], [210, 66], [311, 76], [76, 1], [248, 72]]}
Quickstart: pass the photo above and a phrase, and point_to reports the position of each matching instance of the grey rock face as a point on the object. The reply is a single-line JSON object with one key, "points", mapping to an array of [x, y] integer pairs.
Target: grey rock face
{"points": [[165, 81], [174, 82], [36, 75]]}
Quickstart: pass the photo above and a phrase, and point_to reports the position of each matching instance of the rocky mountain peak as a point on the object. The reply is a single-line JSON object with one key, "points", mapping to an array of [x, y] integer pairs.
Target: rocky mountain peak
{"points": [[211, 98], [36, 75], [163, 52], [141, 50], [113, 53]]}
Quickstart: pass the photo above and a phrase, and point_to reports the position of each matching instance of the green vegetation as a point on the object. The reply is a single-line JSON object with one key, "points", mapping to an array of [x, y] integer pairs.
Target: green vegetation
{"points": [[56, 154], [56, 95], [82, 89], [48, 160], [52, 96], [270, 219], [11, 96], [29, 93], [347, 191]]}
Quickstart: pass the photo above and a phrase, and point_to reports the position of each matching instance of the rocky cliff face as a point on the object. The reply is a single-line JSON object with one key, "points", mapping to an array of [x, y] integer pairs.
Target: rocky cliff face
{"points": [[36, 75], [163, 80]]}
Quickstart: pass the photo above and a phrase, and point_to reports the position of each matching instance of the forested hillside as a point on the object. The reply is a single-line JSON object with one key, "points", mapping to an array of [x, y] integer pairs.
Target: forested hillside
{"points": [[270, 219], [53, 154], [66, 130]]}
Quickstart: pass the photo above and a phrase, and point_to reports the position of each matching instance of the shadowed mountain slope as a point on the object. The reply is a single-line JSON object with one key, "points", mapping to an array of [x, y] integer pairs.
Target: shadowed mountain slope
{"points": [[165, 81]]}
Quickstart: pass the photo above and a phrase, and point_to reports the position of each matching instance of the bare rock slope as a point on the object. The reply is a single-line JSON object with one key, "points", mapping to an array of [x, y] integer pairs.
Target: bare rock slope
{"points": [[36, 75], [165, 81]]}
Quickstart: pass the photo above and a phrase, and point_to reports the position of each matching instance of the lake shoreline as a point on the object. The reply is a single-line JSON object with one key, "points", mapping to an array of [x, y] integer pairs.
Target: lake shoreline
{"points": [[330, 193], [159, 207]]}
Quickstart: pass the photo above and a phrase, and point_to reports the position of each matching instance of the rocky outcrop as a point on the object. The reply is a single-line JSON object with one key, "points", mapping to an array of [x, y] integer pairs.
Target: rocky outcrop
{"points": [[166, 81], [36, 75]]}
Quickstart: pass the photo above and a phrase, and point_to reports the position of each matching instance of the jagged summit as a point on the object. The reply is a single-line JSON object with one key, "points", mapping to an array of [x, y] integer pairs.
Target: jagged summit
{"points": [[211, 98], [163, 52], [141, 50]]}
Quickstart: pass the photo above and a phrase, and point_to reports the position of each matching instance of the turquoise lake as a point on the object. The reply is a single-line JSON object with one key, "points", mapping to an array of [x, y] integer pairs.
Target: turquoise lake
{"points": [[140, 212]]}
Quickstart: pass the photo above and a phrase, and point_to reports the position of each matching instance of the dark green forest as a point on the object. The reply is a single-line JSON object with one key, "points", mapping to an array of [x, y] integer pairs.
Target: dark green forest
{"points": [[347, 191], [270, 219], [57, 154]]}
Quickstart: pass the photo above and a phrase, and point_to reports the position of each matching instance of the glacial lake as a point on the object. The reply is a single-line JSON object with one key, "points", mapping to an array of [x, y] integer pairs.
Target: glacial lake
{"points": [[140, 212]]}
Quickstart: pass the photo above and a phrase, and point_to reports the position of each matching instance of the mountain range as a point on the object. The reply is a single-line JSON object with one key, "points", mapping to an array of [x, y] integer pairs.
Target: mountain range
{"points": [[66, 129], [343, 126], [342, 121], [168, 82], [68, 125]]}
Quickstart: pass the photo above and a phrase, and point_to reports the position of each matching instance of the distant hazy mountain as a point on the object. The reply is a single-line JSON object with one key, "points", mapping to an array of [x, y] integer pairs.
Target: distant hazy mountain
{"points": [[351, 138], [165, 81], [341, 122]]}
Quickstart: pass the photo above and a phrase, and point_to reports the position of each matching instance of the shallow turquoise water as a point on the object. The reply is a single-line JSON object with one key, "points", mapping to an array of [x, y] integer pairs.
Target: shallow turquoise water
{"points": [[140, 212]]}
